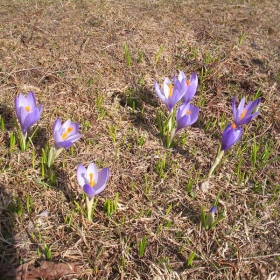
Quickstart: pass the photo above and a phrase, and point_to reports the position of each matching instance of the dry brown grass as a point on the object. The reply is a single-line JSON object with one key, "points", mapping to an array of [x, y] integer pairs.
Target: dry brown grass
{"points": [[71, 54]]}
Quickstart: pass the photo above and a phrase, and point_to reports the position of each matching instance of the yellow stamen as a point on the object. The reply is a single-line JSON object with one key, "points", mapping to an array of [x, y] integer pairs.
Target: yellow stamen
{"points": [[27, 108], [170, 90], [91, 179], [188, 82], [243, 114], [188, 112], [65, 134], [233, 126]]}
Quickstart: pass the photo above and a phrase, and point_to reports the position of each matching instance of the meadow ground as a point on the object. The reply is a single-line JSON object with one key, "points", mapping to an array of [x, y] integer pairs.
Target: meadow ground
{"points": [[96, 62]]}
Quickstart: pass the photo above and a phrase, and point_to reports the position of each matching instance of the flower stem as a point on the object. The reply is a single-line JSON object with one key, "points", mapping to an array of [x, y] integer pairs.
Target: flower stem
{"points": [[169, 123], [53, 154], [217, 161], [170, 138], [89, 208], [22, 141]]}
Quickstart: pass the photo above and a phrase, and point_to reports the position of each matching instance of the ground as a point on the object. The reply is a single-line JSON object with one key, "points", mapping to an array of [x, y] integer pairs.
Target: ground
{"points": [[96, 62]]}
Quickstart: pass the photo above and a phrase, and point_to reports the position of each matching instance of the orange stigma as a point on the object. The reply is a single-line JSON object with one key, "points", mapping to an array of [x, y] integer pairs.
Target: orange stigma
{"points": [[188, 112], [188, 82], [65, 134], [170, 91], [91, 179], [233, 126], [27, 108], [243, 114]]}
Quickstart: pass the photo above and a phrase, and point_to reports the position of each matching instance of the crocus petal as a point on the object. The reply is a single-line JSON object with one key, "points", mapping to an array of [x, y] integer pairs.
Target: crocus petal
{"points": [[241, 104], [17, 107], [73, 138], [92, 169], [103, 177], [21, 101], [30, 99], [171, 102], [63, 144], [40, 109], [213, 210], [65, 125], [89, 191], [81, 175], [56, 125], [239, 110], [22, 115], [190, 92], [31, 119], [182, 76], [57, 136], [194, 78], [166, 89], [160, 92], [191, 89], [230, 136], [181, 87], [251, 106]]}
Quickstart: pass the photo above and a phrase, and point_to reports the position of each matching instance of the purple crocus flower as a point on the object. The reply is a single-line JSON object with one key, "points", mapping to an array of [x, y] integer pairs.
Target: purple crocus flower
{"points": [[26, 111], [170, 94], [91, 181], [191, 86], [65, 134], [231, 135], [243, 115], [186, 115]]}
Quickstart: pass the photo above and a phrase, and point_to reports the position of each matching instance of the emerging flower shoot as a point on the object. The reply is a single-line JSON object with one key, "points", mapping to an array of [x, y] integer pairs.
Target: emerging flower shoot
{"points": [[210, 218]]}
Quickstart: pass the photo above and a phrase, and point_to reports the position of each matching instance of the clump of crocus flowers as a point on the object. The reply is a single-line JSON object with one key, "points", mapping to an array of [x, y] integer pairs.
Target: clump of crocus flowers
{"points": [[233, 132], [27, 114], [181, 89], [92, 183]]}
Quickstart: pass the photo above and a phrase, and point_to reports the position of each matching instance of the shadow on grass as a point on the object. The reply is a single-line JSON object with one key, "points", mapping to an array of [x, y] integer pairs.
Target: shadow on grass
{"points": [[8, 116], [8, 259], [40, 139], [142, 103], [57, 179]]}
